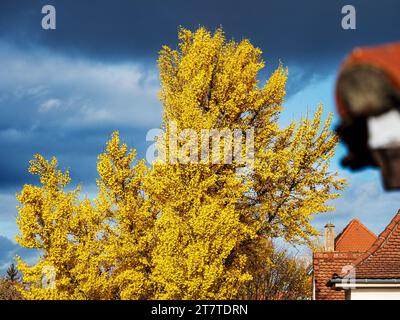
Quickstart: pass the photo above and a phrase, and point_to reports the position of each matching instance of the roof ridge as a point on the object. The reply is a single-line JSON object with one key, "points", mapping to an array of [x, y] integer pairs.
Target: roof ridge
{"points": [[380, 241], [346, 229]]}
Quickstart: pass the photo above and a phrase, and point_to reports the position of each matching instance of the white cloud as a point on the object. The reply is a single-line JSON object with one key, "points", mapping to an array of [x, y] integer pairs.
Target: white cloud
{"points": [[49, 105], [87, 91]]}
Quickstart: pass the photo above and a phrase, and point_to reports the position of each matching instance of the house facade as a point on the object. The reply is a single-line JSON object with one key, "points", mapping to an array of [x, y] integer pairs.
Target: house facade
{"points": [[358, 265]]}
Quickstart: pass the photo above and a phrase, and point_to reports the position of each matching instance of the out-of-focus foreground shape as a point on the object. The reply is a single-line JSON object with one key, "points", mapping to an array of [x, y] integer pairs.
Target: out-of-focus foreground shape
{"points": [[368, 102]]}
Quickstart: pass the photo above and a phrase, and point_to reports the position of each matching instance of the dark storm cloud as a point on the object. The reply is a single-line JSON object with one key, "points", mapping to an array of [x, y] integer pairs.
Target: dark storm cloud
{"points": [[76, 150], [68, 105], [296, 31]]}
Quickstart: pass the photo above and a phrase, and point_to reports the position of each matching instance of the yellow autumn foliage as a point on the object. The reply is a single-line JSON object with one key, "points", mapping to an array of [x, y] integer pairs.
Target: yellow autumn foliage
{"points": [[180, 230]]}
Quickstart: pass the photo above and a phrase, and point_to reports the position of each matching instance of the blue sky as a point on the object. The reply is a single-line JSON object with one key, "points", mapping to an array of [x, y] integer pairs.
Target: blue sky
{"points": [[63, 92]]}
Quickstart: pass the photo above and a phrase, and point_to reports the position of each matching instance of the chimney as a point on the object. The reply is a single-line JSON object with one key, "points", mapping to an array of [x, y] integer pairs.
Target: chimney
{"points": [[329, 237]]}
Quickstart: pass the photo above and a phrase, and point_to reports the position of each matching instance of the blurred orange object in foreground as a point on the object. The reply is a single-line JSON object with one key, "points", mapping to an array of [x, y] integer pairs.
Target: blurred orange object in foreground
{"points": [[368, 96]]}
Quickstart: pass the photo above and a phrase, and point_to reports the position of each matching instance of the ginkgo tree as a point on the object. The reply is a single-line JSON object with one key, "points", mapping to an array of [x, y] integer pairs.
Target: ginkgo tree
{"points": [[182, 230]]}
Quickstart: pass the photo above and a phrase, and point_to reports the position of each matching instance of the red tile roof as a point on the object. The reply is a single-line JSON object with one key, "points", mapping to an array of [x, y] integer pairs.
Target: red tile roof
{"points": [[350, 244], [382, 260], [325, 264], [355, 237]]}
